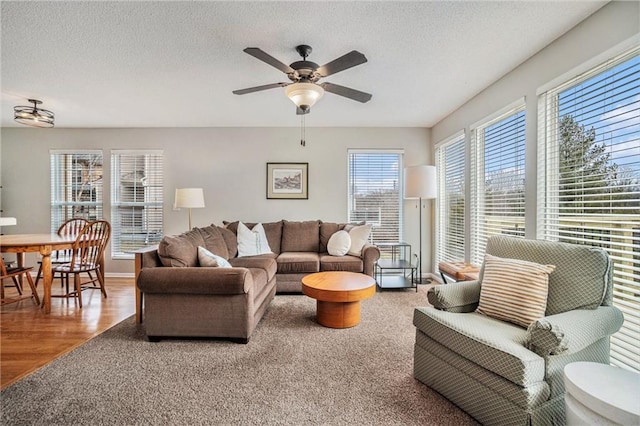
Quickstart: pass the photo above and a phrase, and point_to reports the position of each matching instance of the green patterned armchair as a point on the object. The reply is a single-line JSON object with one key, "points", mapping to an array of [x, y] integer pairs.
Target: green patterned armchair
{"points": [[502, 373]]}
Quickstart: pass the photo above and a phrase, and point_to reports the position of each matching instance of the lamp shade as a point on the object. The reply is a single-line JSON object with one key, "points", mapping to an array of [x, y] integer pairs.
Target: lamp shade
{"points": [[304, 95], [420, 182], [192, 198]]}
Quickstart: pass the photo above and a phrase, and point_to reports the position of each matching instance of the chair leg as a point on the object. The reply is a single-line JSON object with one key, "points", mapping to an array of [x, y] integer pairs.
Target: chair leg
{"points": [[103, 289], [38, 275], [76, 279], [17, 285], [34, 291]]}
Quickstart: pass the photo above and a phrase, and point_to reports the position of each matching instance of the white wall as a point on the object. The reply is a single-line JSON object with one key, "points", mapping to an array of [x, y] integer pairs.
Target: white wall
{"points": [[229, 163], [615, 24]]}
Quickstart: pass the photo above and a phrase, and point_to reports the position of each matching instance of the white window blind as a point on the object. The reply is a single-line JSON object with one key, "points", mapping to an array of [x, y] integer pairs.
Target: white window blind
{"points": [[497, 179], [76, 186], [589, 179], [136, 201], [450, 164], [375, 192]]}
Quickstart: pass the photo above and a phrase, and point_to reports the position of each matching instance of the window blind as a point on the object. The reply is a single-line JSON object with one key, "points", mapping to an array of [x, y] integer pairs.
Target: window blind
{"points": [[450, 234], [589, 179], [497, 179], [136, 200], [375, 192], [76, 186]]}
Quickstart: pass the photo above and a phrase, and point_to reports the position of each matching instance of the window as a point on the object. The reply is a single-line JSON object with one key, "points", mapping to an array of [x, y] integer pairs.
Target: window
{"points": [[497, 179], [589, 179], [450, 164], [76, 186], [375, 192], [136, 201]]}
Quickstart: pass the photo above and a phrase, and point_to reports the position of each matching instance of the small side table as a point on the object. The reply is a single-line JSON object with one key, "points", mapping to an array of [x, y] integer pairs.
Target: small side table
{"points": [[397, 272], [459, 271]]}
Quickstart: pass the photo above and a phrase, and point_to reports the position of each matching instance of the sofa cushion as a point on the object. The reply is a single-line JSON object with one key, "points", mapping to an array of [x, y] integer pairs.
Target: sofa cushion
{"points": [[339, 243], [341, 263], [252, 242], [327, 229], [208, 259], [213, 241], [230, 240], [514, 290], [267, 262], [359, 237], [495, 345], [297, 262], [180, 250], [273, 230], [300, 236]]}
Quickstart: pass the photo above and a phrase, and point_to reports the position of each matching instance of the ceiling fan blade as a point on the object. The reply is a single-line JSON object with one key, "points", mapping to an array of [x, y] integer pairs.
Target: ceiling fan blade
{"points": [[344, 62], [347, 92], [265, 57], [259, 88], [300, 111]]}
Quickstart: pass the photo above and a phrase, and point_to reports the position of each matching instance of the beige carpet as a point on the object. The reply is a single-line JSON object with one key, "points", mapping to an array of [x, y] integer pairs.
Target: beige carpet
{"points": [[293, 371]]}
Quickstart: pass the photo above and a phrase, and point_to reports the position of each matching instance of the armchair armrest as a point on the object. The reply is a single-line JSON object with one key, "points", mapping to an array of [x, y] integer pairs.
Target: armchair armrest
{"points": [[370, 254], [458, 297], [572, 331], [195, 280]]}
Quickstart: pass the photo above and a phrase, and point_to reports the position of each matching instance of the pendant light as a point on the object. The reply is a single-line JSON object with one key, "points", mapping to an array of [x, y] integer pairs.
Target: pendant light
{"points": [[32, 115]]}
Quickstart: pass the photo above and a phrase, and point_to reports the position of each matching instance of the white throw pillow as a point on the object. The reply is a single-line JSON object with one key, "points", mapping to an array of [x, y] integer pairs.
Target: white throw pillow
{"points": [[252, 242], [206, 258], [359, 237], [339, 243]]}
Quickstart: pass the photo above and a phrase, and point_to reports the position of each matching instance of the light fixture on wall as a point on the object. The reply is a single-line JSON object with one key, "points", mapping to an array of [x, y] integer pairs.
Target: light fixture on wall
{"points": [[420, 183], [32, 115], [189, 198], [304, 95]]}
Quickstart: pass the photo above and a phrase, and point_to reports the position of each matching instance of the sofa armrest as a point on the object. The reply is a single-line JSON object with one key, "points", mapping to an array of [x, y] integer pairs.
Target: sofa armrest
{"points": [[572, 331], [456, 297], [195, 280], [370, 255]]}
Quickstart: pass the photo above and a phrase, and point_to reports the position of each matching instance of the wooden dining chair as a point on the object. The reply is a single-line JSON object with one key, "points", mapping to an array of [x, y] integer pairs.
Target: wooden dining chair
{"points": [[86, 257], [71, 227], [15, 274]]}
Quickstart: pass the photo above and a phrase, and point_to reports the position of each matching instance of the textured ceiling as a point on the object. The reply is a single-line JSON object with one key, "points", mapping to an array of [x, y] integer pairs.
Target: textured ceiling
{"points": [[174, 64]]}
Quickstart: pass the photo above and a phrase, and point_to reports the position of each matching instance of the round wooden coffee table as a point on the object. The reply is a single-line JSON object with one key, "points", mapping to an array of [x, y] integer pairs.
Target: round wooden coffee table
{"points": [[338, 296]]}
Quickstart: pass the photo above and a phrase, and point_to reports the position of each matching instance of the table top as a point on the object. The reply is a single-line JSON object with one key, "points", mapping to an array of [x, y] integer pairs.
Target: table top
{"points": [[34, 240], [338, 286]]}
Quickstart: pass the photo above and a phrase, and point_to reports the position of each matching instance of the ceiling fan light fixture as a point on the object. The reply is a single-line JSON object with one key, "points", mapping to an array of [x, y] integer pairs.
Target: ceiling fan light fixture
{"points": [[304, 95], [32, 115]]}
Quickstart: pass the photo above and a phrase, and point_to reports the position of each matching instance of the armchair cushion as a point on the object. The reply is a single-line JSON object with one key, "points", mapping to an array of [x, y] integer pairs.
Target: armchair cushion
{"points": [[572, 331], [514, 290]]}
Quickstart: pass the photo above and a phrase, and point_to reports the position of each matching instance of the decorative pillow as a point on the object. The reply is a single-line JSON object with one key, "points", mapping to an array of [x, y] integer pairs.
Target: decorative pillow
{"points": [[252, 242], [339, 243], [206, 258], [514, 290], [359, 237]]}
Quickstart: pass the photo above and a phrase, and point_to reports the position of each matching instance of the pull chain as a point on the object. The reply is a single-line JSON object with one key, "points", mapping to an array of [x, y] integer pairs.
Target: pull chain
{"points": [[303, 131]]}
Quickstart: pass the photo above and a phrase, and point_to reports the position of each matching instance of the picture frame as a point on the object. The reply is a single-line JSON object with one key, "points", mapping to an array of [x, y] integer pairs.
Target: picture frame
{"points": [[287, 181]]}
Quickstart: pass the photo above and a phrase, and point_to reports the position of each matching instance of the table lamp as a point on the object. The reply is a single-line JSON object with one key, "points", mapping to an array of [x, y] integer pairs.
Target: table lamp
{"points": [[189, 198], [420, 183]]}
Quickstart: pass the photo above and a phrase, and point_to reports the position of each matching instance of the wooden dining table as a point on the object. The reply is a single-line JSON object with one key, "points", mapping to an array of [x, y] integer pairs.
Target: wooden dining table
{"points": [[38, 243]]}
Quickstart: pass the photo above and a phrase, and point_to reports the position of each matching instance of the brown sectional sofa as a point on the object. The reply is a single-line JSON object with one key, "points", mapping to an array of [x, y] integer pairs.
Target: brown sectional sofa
{"points": [[183, 299]]}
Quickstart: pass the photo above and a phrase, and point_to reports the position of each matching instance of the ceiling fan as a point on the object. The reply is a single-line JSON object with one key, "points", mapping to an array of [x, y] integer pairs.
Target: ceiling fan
{"points": [[304, 89]]}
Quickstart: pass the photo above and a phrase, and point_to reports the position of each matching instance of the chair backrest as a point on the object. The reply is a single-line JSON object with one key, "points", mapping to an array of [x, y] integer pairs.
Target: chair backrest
{"points": [[71, 228], [583, 278], [90, 245]]}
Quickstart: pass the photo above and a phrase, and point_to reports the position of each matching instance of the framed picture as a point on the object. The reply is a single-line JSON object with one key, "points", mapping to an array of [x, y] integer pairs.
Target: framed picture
{"points": [[288, 181]]}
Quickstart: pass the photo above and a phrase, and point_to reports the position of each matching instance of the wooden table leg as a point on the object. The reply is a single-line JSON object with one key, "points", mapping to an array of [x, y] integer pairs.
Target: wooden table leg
{"points": [[47, 276], [338, 314]]}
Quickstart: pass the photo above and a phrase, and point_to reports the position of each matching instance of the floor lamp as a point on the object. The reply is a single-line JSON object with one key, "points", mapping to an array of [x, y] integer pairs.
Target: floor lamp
{"points": [[189, 198], [420, 183]]}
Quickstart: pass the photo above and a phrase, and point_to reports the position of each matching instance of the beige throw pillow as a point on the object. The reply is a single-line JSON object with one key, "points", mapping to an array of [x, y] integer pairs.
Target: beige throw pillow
{"points": [[206, 258], [514, 290], [339, 243], [359, 236], [252, 242]]}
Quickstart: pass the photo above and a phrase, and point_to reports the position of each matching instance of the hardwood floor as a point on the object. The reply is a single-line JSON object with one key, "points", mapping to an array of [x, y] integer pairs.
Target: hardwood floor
{"points": [[30, 339]]}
